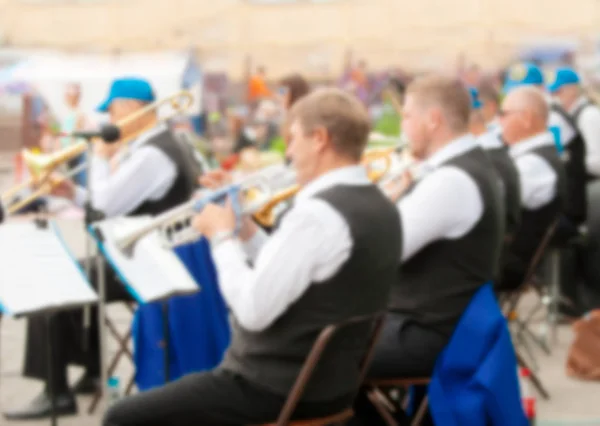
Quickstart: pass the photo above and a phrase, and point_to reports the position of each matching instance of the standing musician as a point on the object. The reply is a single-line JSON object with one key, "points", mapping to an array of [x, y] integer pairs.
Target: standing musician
{"points": [[497, 152], [452, 222], [333, 257], [541, 176], [154, 175]]}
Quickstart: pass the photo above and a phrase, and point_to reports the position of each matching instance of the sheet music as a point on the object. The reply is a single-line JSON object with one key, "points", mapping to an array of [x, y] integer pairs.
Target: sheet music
{"points": [[153, 272], [38, 272]]}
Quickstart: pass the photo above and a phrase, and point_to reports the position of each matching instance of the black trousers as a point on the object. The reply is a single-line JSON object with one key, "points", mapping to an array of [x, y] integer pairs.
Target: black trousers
{"points": [[65, 334], [404, 350], [215, 398]]}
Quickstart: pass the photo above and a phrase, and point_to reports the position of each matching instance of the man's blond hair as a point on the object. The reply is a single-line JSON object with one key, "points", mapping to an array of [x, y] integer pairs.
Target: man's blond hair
{"points": [[343, 116], [446, 93]]}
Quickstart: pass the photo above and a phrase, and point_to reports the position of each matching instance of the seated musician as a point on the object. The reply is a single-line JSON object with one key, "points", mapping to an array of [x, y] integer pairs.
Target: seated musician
{"points": [[541, 175], [452, 226], [154, 176], [570, 144], [497, 151], [333, 257]]}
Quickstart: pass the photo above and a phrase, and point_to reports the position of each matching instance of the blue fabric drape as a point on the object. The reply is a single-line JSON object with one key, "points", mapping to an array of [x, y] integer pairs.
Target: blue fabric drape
{"points": [[475, 380], [198, 325]]}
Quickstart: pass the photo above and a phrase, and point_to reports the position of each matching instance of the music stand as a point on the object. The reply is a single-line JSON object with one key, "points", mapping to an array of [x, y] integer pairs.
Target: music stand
{"points": [[25, 291], [152, 274]]}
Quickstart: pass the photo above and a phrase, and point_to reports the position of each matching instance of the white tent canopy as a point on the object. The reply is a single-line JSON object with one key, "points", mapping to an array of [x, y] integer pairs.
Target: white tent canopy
{"points": [[51, 72]]}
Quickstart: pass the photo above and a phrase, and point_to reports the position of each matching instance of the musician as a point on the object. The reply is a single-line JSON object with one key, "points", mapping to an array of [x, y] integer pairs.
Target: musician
{"points": [[570, 144], [542, 178], [153, 175], [452, 227], [565, 87], [333, 257], [497, 152]]}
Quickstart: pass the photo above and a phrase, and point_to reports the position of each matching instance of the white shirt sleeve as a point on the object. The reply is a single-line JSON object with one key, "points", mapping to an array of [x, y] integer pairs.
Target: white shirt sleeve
{"points": [[589, 126], [147, 175], [310, 246], [445, 205], [537, 180]]}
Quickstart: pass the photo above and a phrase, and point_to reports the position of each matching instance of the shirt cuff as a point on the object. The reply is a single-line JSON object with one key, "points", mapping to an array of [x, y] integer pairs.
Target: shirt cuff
{"points": [[80, 196], [253, 245], [228, 252]]}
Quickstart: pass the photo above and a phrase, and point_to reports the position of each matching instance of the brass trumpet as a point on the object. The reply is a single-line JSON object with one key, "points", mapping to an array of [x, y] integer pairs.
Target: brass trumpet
{"points": [[255, 197], [42, 166]]}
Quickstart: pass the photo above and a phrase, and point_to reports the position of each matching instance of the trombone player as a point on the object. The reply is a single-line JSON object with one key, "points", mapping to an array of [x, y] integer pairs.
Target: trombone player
{"points": [[152, 175]]}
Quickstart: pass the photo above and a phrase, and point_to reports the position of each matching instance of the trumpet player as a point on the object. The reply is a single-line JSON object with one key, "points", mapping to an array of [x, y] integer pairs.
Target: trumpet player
{"points": [[333, 256], [153, 175], [452, 227]]}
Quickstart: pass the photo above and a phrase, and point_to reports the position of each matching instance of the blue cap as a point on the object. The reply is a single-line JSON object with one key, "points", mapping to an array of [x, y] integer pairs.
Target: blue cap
{"points": [[475, 102], [523, 74], [561, 77], [128, 88]]}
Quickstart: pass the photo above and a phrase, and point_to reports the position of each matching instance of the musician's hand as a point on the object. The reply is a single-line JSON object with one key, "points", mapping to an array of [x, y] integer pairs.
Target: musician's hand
{"points": [[396, 188], [214, 218], [61, 187], [215, 179]]}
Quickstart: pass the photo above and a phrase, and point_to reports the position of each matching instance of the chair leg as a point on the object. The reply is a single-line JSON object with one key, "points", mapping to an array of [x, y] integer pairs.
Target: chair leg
{"points": [[535, 380], [379, 400], [420, 414]]}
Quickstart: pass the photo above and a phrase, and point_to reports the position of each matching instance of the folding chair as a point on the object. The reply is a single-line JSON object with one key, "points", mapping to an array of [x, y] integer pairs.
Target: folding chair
{"points": [[385, 407], [311, 362], [511, 300], [122, 350]]}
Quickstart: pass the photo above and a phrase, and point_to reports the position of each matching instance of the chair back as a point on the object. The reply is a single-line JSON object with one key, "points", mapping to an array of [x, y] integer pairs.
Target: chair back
{"points": [[315, 354]]}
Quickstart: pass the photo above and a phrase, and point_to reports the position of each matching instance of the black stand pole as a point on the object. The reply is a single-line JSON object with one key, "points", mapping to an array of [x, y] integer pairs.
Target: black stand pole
{"points": [[166, 337], [50, 332]]}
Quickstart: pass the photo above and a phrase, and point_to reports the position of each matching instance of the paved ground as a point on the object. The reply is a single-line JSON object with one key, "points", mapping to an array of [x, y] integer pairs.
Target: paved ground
{"points": [[572, 402]]}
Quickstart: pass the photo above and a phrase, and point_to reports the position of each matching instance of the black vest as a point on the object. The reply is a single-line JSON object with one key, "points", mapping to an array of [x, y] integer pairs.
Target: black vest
{"points": [[505, 166], [576, 115], [535, 223], [185, 182], [575, 172], [272, 358], [439, 281]]}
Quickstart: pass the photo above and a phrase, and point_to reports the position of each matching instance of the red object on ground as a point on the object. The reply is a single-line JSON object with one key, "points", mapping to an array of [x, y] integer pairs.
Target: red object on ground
{"points": [[527, 397]]}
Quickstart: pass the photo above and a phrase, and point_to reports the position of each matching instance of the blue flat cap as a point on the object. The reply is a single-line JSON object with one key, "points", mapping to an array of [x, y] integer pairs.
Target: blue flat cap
{"points": [[475, 101], [523, 74], [128, 88], [561, 77]]}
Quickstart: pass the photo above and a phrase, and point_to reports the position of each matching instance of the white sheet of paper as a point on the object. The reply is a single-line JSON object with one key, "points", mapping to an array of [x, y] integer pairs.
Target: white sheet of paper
{"points": [[153, 272], [38, 272]]}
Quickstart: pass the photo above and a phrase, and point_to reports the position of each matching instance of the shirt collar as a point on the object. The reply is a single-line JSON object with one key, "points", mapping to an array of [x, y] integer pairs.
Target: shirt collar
{"points": [[577, 104], [124, 154], [143, 138], [531, 143], [453, 149], [490, 140], [350, 175]]}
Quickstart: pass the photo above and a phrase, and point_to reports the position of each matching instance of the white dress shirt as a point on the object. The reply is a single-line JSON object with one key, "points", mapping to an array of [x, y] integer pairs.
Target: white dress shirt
{"points": [[446, 203], [588, 124], [490, 140], [145, 173], [536, 176], [310, 246]]}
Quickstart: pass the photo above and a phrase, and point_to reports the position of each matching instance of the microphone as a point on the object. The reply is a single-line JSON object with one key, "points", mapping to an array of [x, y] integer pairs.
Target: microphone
{"points": [[107, 132]]}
